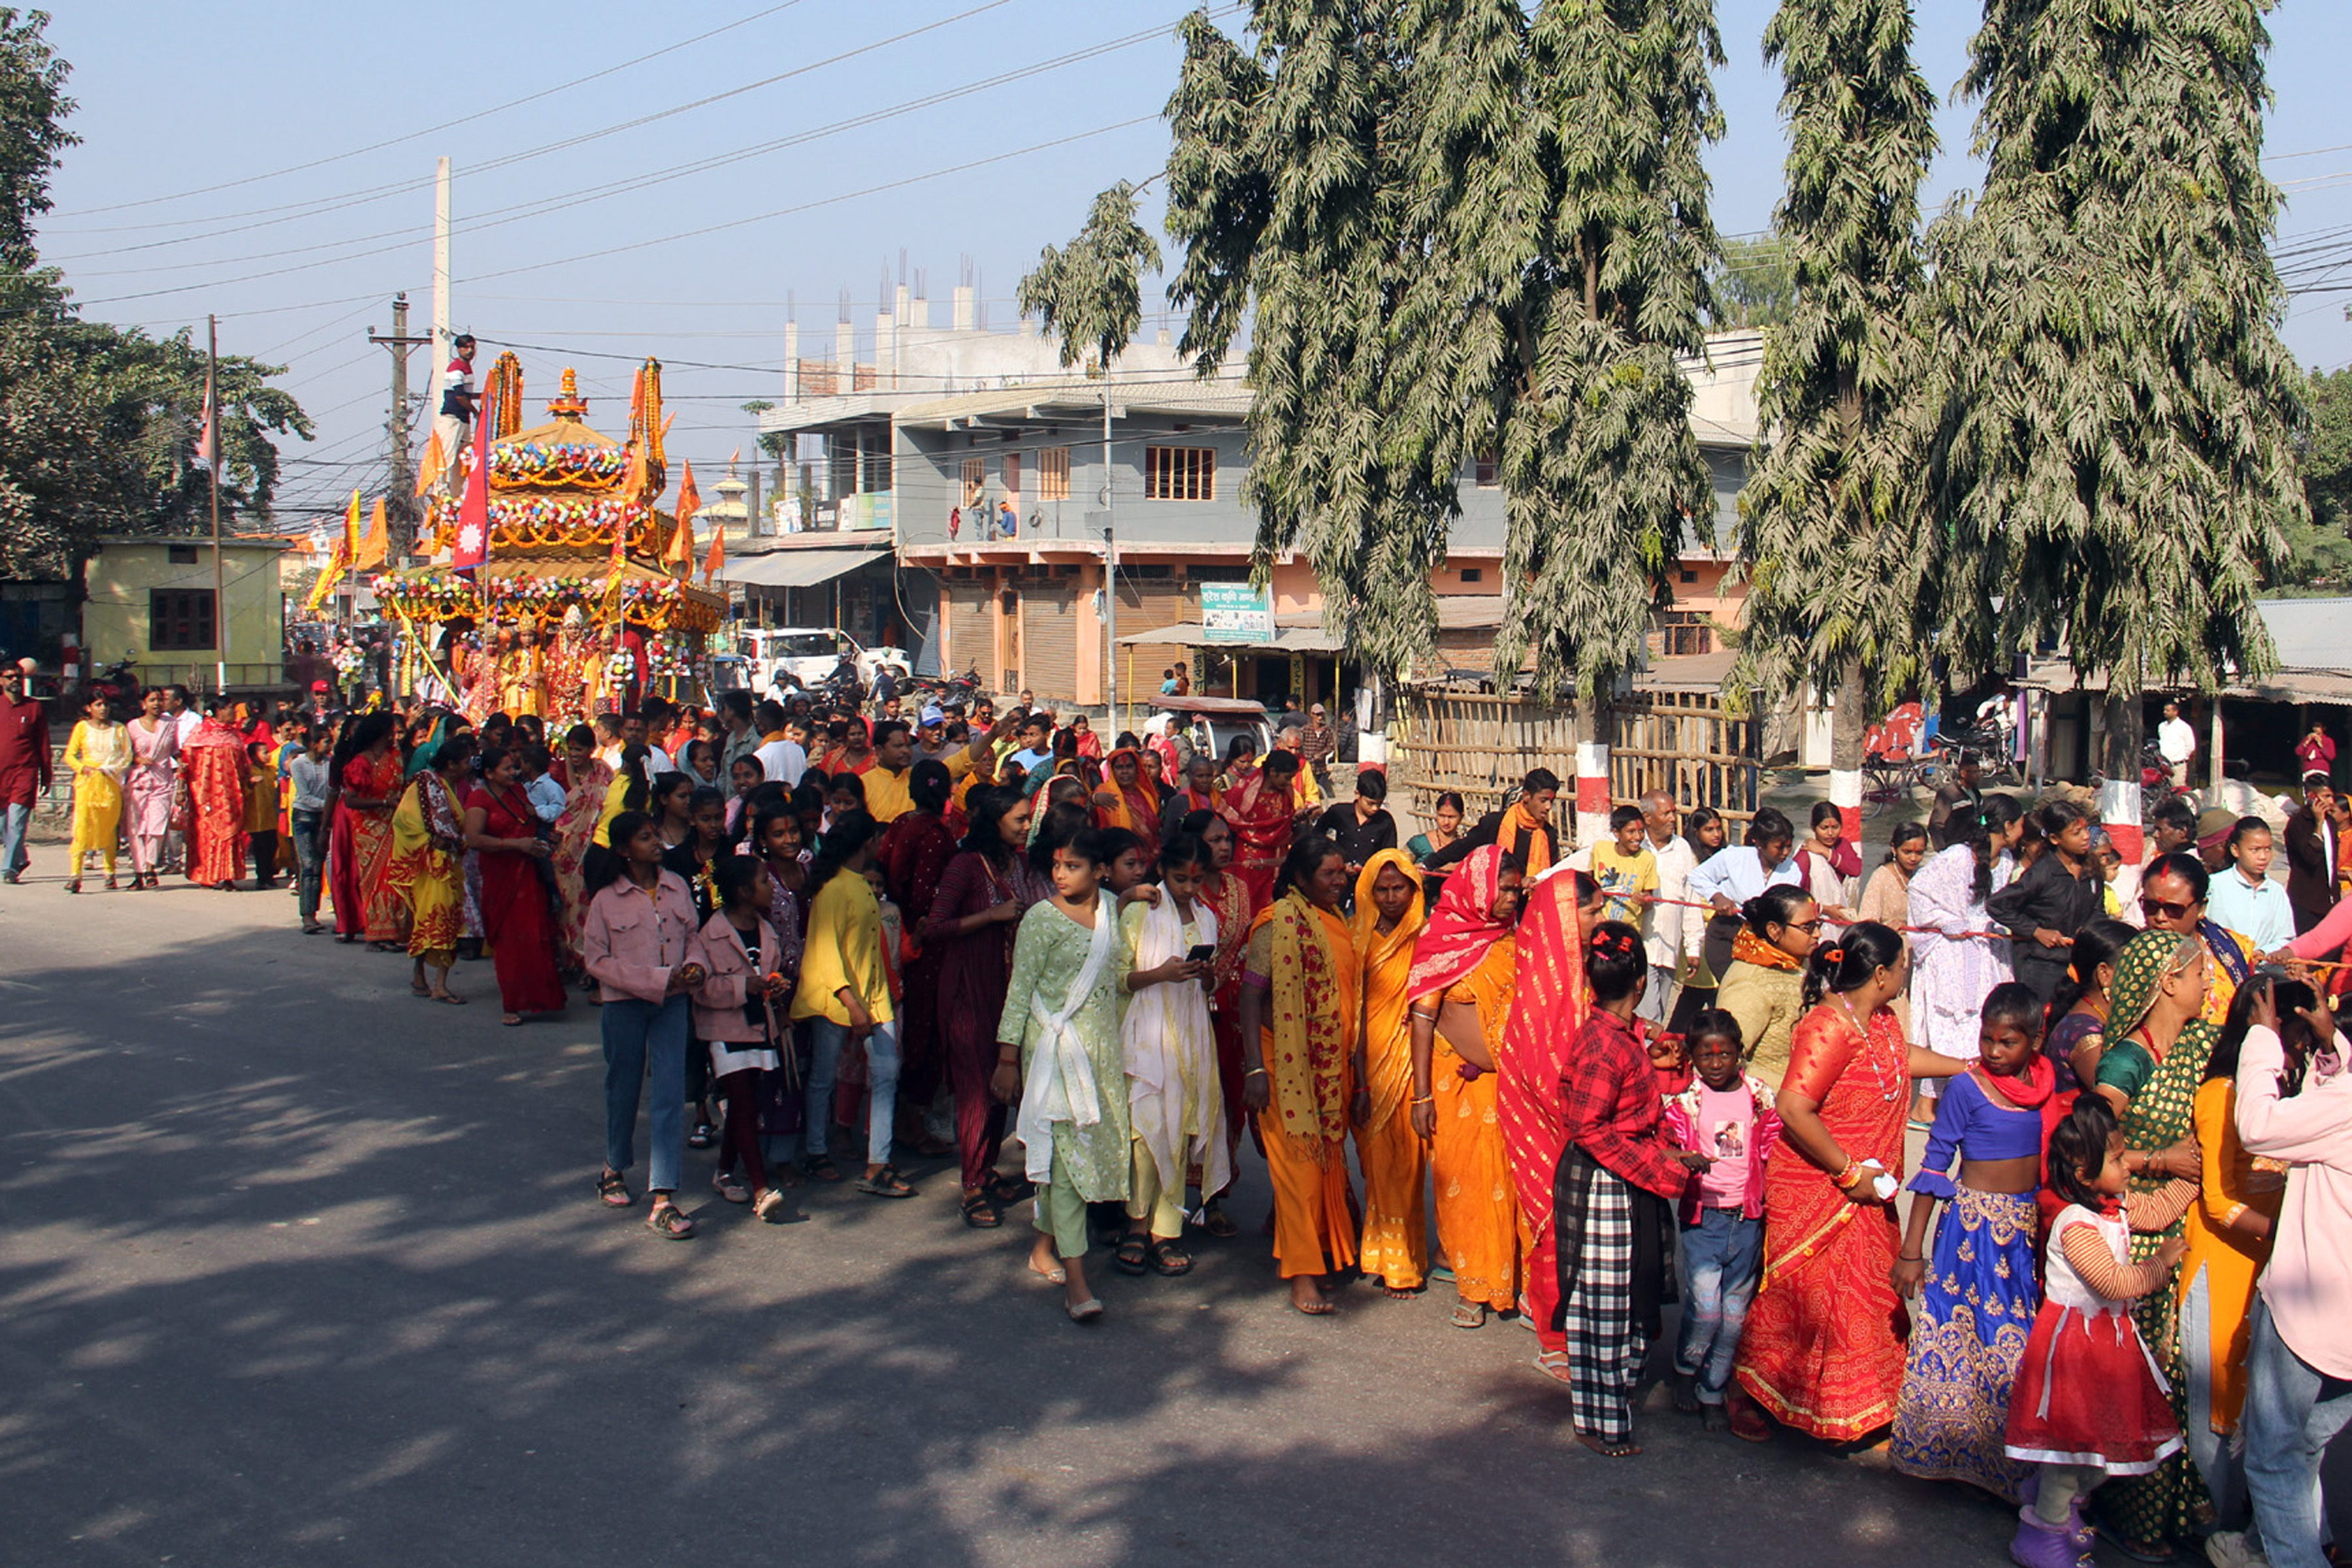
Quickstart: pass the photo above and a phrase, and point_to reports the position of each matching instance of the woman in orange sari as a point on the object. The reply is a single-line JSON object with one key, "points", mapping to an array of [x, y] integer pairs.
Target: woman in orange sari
{"points": [[1465, 973], [365, 780], [1823, 1351], [1387, 920], [1260, 810], [1127, 800], [1548, 1014], [591, 778], [1298, 1034]]}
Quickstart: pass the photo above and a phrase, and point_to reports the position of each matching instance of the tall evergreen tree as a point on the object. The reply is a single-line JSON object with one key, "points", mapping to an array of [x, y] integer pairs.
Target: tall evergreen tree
{"points": [[2117, 447], [1832, 529], [1090, 293], [1600, 468], [1288, 190]]}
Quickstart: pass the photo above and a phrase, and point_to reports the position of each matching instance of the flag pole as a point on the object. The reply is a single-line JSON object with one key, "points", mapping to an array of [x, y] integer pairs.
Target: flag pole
{"points": [[212, 423]]}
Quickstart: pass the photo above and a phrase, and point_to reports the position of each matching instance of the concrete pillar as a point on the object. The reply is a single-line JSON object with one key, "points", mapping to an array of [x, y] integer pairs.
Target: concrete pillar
{"points": [[1592, 787], [964, 308], [845, 355]]}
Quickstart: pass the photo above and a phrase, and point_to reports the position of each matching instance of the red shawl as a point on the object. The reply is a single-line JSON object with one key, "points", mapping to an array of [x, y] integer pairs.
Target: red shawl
{"points": [[1548, 1016], [1462, 928]]}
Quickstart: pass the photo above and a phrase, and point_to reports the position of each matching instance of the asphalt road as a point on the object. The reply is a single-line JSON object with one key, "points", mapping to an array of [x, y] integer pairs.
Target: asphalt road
{"points": [[297, 1269]]}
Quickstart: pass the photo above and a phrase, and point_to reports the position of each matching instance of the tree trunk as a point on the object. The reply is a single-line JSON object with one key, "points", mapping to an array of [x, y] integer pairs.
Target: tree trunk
{"points": [[1848, 720], [2119, 799]]}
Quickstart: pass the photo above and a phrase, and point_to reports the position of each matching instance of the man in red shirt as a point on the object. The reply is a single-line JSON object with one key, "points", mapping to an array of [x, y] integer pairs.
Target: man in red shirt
{"points": [[24, 765]]}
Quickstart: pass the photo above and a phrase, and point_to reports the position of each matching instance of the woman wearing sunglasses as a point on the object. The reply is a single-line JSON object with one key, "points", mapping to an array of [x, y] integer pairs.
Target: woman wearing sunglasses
{"points": [[2172, 898], [1763, 985]]}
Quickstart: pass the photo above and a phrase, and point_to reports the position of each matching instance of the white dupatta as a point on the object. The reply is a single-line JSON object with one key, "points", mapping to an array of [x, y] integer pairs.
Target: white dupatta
{"points": [[1172, 1057], [1061, 1082]]}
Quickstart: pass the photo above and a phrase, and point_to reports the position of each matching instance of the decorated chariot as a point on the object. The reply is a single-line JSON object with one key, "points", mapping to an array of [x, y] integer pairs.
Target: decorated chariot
{"points": [[565, 608]]}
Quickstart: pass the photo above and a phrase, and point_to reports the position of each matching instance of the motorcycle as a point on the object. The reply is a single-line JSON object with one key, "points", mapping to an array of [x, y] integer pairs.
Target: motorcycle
{"points": [[116, 683]]}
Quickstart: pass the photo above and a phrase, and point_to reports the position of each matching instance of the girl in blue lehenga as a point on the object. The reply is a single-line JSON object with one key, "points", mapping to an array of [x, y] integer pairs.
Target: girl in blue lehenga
{"points": [[1975, 1303]]}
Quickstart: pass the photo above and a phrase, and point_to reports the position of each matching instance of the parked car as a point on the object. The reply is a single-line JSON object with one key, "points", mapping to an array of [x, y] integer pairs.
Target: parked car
{"points": [[807, 655], [1212, 723]]}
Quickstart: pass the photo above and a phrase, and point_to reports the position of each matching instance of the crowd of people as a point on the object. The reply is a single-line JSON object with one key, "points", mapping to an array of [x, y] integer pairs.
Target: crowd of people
{"points": [[1665, 1068]]}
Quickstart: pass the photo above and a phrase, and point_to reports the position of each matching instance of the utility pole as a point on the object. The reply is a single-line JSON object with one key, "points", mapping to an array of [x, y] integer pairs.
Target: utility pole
{"points": [[1110, 561], [441, 346], [401, 504], [212, 423]]}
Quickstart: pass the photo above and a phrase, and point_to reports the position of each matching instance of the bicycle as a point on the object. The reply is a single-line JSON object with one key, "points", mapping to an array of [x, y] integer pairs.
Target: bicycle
{"points": [[1892, 781]]}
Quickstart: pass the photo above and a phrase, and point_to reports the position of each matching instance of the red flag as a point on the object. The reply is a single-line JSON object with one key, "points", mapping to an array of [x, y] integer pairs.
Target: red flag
{"points": [[681, 539], [473, 546]]}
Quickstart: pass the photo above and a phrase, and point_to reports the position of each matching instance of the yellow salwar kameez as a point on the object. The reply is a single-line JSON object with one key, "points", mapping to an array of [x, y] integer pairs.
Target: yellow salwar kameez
{"points": [[99, 756], [427, 870], [1308, 964], [1395, 1245]]}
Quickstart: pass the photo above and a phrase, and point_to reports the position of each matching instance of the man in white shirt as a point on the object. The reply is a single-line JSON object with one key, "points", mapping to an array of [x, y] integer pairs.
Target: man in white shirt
{"points": [[634, 733], [184, 718], [781, 758], [2177, 741], [1662, 929]]}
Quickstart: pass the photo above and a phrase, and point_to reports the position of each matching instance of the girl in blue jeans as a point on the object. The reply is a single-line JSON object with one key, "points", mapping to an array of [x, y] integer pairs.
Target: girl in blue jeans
{"points": [[636, 940], [1727, 1116]]}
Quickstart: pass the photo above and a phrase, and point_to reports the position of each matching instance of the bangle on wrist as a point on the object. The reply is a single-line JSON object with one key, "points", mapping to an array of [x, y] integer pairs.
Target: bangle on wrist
{"points": [[1254, 1072], [1424, 1099], [1908, 1258], [1847, 1177]]}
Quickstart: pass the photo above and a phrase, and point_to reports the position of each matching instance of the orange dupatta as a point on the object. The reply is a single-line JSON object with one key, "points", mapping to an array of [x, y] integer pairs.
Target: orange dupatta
{"points": [[1309, 1028], [1386, 960]]}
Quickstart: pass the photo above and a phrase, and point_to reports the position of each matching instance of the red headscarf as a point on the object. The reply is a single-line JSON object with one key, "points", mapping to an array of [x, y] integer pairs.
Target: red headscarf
{"points": [[1463, 926]]}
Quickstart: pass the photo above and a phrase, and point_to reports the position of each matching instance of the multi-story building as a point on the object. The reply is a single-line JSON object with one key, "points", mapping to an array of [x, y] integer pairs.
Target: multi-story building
{"points": [[988, 461]]}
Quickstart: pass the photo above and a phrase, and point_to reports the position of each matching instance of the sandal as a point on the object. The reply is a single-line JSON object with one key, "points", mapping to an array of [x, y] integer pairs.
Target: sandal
{"points": [[884, 1183], [1085, 1312], [111, 886], [669, 1222], [613, 1188], [1010, 1190], [703, 1136], [1129, 1257], [822, 1168], [73, 885], [448, 998], [768, 1205], [1170, 1260], [1469, 1315], [1218, 1223], [1554, 1364], [980, 1213], [728, 1187]]}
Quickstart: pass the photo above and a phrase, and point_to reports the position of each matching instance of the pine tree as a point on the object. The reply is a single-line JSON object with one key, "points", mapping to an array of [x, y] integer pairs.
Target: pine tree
{"points": [[1832, 534], [1601, 470], [2116, 451]]}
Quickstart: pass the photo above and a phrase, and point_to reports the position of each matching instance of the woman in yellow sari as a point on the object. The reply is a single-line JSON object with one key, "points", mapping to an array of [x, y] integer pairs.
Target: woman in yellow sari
{"points": [[1465, 976], [1389, 916], [99, 754], [1298, 1034], [428, 843]]}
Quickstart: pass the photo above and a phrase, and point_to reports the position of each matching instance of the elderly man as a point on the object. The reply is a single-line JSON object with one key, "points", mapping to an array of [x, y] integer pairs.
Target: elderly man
{"points": [[1317, 745], [1663, 923], [24, 766]]}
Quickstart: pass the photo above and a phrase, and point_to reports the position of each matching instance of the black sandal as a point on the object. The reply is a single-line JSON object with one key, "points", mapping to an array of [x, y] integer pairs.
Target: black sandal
{"points": [[703, 1136], [1217, 1222], [613, 1188], [821, 1168], [1170, 1260], [1129, 1257], [980, 1213], [1010, 1190]]}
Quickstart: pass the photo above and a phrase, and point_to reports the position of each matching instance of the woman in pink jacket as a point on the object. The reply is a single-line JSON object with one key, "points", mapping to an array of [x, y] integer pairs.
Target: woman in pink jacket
{"points": [[735, 1015]]}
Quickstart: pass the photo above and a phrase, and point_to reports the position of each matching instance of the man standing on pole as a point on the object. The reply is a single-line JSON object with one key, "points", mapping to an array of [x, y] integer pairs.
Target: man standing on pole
{"points": [[454, 423]]}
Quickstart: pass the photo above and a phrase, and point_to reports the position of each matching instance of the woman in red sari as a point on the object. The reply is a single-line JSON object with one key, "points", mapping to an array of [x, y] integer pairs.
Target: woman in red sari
{"points": [[365, 779], [1547, 1014], [502, 830], [211, 783], [1126, 800], [1822, 1349], [1260, 810], [914, 855]]}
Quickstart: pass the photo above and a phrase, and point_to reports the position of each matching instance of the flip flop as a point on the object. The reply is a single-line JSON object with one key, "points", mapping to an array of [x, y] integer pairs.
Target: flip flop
{"points": [[452, 1000], [1086, 1311]]}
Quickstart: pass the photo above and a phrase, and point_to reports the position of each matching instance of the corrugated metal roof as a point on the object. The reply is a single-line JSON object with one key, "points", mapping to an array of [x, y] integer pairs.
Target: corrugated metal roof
{"points": [[2310, 634]]}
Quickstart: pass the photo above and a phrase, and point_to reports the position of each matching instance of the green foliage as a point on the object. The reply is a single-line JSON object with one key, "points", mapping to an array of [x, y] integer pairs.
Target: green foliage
{"points": [[1832, 534], [1755, 282], [99, 423], [2117, 413], [2320, 550], [1089, 293]]}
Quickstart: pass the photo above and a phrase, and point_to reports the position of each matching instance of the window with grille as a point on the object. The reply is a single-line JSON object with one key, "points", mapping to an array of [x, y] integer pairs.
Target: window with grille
{"points": [[1054, 473], [1685, 632], [179, 618], [975, 478], [1180, 473], [1481, 472]]}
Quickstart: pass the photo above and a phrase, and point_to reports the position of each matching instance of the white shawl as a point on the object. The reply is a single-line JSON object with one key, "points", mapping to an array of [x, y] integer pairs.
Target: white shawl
{"points": [[1061, 1082], [1172, 1058]]}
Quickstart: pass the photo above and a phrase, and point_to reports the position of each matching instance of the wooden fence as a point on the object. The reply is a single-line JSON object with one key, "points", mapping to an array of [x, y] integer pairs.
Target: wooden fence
{"points": [[1480, 746]]}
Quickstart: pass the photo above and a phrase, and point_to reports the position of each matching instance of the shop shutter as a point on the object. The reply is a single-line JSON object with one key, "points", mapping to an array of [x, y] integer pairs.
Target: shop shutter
{"points": [[1145, 604], [1049, 638], [972, 630]]}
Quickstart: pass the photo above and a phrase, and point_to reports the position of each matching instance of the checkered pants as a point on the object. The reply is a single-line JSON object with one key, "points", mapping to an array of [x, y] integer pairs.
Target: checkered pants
{"points": [[1605, 1350]]}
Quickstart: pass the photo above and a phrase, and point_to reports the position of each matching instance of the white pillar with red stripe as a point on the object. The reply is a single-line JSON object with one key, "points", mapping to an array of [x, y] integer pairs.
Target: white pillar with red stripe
{"points": [[1591, 792], [2119, 804], [1845, 793]]}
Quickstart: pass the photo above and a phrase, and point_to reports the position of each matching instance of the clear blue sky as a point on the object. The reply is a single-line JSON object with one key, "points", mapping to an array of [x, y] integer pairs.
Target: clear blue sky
{"points": [[611, 246]]}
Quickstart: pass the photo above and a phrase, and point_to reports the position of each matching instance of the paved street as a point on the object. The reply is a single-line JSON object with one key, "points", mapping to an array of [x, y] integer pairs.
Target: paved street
{"points": [[294, 1268]]}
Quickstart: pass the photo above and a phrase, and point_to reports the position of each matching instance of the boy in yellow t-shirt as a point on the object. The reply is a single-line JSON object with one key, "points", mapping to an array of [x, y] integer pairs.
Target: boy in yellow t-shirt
{"points": [[1626, 870]]}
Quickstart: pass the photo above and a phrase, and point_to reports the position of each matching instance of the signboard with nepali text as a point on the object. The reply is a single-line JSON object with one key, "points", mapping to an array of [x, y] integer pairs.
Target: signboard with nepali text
{"points": [[1236, 613]]}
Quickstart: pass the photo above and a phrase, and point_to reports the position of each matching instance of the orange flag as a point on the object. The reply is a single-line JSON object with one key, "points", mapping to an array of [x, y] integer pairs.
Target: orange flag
{"points": [[681, 539], [377, 546], [632, 490], [715, 562], [435, 466]]}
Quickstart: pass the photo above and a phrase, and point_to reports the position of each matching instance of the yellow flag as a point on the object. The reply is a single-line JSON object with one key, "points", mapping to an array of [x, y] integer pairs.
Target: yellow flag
{"points": [[351, 549]]}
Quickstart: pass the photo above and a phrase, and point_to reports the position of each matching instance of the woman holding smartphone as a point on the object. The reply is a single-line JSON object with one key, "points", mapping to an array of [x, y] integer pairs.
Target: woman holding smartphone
{"points": [[1173, 1101]]}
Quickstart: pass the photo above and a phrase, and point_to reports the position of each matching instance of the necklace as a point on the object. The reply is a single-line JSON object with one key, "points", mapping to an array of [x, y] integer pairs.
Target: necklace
{"points": [[1869, 1050]]}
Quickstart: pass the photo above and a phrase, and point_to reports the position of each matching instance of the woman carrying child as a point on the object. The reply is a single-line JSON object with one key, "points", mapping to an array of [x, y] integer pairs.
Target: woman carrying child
{"points": [[1726, 1115], [2088, 1404], [1976, 1302]]}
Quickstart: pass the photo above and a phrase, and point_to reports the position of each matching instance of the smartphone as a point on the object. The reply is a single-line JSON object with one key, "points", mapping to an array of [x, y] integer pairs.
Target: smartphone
{"points": [[1203, 954]]}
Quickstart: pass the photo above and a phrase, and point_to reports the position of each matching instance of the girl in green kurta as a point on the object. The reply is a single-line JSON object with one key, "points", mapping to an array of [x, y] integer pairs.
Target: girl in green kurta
{"points": [[1058, 1059], [2151, 1079]]}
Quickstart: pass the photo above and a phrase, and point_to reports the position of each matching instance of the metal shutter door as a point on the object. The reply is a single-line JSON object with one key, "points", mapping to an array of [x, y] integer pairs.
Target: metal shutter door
{"points": [[972, 630], [1145, 605], [1049, 638]]}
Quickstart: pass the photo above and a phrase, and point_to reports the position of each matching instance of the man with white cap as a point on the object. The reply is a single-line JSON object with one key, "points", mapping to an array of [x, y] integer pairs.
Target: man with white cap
{"points": [[931, 733], [1317, 744]]}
